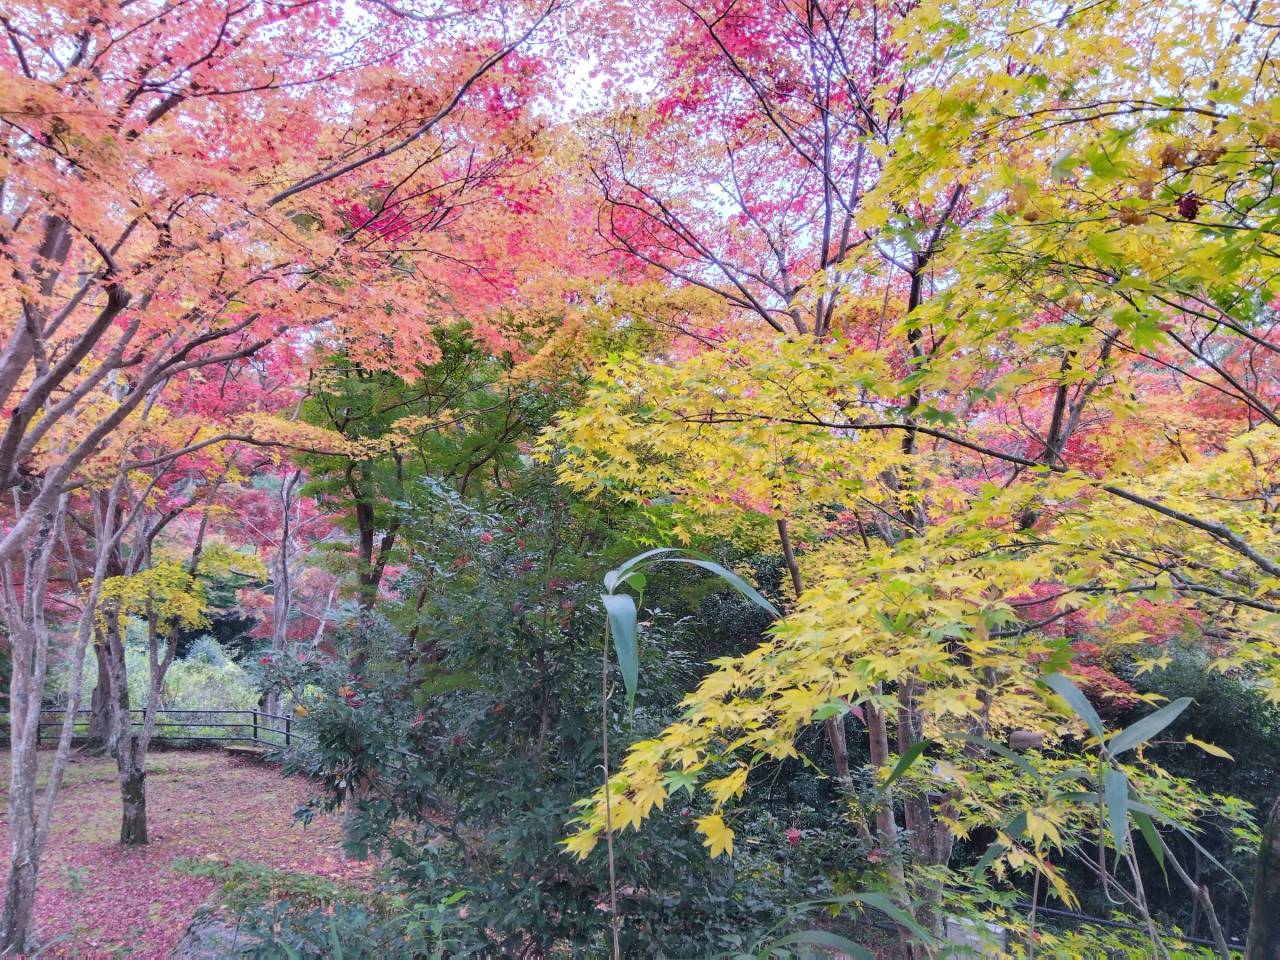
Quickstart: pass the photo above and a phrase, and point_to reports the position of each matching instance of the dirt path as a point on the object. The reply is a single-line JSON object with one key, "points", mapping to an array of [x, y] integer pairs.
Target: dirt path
{"points": [[98, 899]]}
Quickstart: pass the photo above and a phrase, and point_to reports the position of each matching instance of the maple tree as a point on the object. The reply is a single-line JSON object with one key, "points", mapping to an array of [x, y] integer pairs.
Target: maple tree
{"points": [[963, 315], [184, 188], [1044, 387], [785, 110], [287, 529]]}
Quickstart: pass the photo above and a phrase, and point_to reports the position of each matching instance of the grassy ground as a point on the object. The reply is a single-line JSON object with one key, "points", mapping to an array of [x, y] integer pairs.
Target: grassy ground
{"points": [[98, 899]]}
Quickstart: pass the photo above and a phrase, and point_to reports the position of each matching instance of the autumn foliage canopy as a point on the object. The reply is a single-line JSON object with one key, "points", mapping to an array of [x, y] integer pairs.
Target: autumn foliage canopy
{"points": [[964, 314]]}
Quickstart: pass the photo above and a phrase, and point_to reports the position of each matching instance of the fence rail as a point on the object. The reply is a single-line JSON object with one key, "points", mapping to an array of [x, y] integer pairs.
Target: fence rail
{"points": [[193, 726]]}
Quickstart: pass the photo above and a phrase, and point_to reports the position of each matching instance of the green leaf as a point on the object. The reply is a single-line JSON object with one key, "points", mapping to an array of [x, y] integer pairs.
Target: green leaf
{"points": [[1143, 327], [679, 780], [614, 577], [1078, 702], [622, 627], [832, 708], [1156, 814], [1064, 165], [1146, 728], [993, 851], [822, 938], [1100, 243], [729, 577], [1060, 658], [1148, 831], [944, 417], [911, 755], [1116, 792], [1100, 163]]}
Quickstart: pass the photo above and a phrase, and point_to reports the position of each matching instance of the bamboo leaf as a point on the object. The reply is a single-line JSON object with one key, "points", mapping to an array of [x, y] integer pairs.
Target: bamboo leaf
{"points": [[1116, 792], [616, 576], [1148, 831], [897, 914], [1146, 728], [731, 578], [621, 609], [1212, 749], [830, 941], [1156, 814], [904, 763], [1078, 702], [873, 899], [999, 748], [881, 902]]}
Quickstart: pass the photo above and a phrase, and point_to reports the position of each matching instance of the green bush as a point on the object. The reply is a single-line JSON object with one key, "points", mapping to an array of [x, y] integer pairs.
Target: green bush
{"points": [[478, 715], [245, 885], [206, 679], [279, 913], [197, 683]]}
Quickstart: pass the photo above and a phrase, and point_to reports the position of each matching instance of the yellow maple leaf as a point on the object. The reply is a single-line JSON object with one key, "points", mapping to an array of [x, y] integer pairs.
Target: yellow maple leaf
{"points": [[581, 844], [719, 838], [726, 788], [649, 796]]}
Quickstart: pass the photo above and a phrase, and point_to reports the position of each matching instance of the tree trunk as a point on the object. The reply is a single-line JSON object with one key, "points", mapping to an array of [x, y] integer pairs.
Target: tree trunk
{"points": [[130, 766], [100, 702], [132, 745], [20, 891], [28, 642], [282, 600], [19, 908], [1264, 921], [834, 725], [840, 751], [133, 797]]}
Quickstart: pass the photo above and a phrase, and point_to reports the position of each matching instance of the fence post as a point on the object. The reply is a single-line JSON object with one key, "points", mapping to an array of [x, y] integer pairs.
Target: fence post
{"points": [[288, 721], [255, 726]]}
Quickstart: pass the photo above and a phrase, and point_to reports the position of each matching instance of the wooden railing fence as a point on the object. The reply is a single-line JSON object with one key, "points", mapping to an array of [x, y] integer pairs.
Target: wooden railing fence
{"points": [[195, 726]]}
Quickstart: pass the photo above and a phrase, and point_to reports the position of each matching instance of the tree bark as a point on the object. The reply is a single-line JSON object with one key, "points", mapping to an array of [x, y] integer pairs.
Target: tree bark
{"points": [[31, 813], [30, 810], [24, 607], [130, 772], [20, 890], [282, 582], [100, 701], [834, 725], [1264, 921], [133, 796]]}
